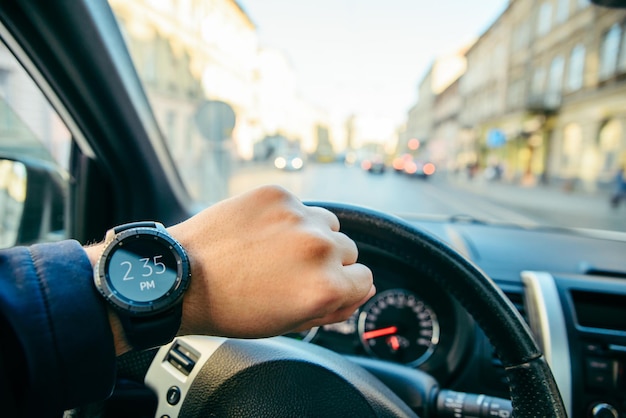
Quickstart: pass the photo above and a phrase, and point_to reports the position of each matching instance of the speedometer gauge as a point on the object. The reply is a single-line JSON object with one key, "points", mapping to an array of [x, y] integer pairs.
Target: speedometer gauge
{"points": [[397, 325]]}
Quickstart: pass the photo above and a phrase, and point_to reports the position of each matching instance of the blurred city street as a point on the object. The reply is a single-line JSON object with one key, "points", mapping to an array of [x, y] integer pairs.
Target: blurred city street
{"points": [[442, 195], [549, 204]]}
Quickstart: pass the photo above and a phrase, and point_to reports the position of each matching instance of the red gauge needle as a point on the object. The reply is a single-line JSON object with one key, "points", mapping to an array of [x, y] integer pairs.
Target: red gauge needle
{"points": [[394, 342], [380, 332]]}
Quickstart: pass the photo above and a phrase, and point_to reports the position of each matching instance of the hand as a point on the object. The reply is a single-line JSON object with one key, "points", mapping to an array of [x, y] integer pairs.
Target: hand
{"points": [[264, 264]]}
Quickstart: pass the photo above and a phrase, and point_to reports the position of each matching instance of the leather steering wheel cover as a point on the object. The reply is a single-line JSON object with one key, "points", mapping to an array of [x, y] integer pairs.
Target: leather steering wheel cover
{"points": [[532, 386]]}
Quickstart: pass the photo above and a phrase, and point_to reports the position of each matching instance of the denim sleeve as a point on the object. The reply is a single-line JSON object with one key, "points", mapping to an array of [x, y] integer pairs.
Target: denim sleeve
{"points": [[57, 337]]}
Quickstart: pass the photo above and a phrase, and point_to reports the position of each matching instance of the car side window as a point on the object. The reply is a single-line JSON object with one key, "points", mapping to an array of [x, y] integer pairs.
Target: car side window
{"points": [[34, 156]]}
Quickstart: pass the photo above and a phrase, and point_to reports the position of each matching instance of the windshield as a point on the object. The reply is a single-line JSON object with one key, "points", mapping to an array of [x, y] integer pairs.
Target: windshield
{"points": [[495, 110]]}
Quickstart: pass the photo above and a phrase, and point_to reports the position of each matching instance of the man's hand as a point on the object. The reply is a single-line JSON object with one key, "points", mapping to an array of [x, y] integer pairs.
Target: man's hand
{"points": [[263, 264]]}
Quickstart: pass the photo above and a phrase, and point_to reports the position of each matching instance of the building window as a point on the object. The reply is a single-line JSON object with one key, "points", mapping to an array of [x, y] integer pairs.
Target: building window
{"points": [[576, 68], [621, 63], [609, 52], [562, 11], [555, 79], [149, 60], [521, 35], [555, 82], [545, 18], [538, 81], [516, 93]]}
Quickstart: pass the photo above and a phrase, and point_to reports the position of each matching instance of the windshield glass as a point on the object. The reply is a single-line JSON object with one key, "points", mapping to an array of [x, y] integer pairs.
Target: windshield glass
{"points": [[496, 110]]}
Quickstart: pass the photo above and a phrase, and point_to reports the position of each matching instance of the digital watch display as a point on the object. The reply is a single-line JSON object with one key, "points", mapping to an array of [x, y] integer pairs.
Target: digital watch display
{"points": [[143, 273]]}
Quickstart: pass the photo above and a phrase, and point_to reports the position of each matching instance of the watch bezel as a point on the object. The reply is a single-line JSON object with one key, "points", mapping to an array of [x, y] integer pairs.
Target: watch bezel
{"points": [[131, 307]]}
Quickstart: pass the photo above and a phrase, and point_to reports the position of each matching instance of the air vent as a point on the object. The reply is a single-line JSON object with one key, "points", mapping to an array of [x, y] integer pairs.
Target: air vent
{"points": [[591, 270], [600, 310]]}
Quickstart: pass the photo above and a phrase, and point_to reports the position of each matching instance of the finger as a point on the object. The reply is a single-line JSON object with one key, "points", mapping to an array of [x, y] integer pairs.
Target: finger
{"points": [[327, 216], [361, 279], [347, 248], [360, 288], [340, 315]]}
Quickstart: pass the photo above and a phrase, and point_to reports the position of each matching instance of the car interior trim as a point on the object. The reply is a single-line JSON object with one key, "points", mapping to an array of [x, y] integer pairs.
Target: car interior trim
{"points": [[47, 90], [545, 317], [457, 241], [170, 378]]}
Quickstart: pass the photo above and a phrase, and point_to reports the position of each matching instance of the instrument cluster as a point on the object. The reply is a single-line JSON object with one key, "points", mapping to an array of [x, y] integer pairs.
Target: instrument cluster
{"points": [[395, 324], [410, 321]]}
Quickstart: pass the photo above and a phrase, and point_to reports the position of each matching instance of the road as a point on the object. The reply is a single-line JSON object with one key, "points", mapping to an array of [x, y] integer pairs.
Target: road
{"points": [[439, 195]]}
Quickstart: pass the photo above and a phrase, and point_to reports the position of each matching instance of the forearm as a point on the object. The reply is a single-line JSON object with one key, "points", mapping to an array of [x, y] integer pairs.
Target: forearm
{"points": [[60, 325]]}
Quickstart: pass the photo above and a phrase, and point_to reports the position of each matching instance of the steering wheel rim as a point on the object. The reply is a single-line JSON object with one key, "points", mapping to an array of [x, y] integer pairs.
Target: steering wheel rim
{"points": [[533, 389]]}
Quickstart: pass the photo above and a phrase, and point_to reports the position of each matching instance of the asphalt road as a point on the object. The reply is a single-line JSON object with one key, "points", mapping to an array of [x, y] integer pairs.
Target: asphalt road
{"points": [[440, 195]]}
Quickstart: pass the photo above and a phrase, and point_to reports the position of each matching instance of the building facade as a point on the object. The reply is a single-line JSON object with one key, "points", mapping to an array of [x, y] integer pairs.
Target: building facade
{"points": [[544, 95], [214, 91]]}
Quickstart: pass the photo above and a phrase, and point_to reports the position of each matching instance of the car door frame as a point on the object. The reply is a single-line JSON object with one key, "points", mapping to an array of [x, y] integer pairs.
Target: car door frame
{"points": [[120, 167]]}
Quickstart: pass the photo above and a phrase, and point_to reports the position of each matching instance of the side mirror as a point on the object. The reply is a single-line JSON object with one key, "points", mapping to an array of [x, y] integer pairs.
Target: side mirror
{"points": [[32, 201], [614, 4]]}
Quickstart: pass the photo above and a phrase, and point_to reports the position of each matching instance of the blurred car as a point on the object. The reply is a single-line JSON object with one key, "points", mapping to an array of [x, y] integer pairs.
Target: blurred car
{"points": [[375, 165], [292, 162], [401, 161], [420, 169]]}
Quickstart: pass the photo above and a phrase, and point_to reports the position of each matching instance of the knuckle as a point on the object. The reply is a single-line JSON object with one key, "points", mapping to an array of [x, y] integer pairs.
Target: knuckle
{"points": [[317, 245], [274, 192]]}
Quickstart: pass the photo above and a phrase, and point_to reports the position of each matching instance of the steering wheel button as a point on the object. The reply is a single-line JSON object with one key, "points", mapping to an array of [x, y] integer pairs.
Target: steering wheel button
{"points": [[173, 395]]}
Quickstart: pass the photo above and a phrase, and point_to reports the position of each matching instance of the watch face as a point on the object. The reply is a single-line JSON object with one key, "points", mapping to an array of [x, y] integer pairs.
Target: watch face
{"points": [[143, 271]]}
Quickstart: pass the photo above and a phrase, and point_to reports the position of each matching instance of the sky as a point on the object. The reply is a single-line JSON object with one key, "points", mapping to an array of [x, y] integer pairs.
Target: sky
{"points": [[366, 57]]}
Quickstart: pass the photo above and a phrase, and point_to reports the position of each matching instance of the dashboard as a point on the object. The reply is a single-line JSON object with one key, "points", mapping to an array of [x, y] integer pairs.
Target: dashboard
{"points": [[569, 286]]}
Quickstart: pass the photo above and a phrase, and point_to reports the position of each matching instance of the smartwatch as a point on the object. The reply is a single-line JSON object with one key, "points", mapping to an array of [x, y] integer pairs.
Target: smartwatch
{"points": [[143, 273]]}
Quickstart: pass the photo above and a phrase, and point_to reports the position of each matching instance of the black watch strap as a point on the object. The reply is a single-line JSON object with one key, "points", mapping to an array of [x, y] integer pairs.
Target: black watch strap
{"points": [[157, 330]]}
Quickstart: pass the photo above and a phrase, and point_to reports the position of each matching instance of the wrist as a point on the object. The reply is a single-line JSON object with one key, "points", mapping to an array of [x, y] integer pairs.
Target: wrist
{"points": [[93, 253], [119, 337]]}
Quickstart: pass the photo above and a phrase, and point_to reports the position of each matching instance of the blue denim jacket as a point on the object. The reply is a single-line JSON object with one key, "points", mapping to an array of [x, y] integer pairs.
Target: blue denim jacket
{"points": [[56, 345]]}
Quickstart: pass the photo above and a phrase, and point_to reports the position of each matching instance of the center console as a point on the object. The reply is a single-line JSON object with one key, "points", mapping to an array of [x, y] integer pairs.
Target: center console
{"points": [[580, 323]]}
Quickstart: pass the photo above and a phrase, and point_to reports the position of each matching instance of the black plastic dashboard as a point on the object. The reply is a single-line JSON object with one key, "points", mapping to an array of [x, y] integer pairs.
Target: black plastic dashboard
{"points": [[570, 286]]}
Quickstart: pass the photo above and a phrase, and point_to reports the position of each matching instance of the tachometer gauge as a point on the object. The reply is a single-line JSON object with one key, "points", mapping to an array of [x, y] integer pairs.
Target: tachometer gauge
{"points": [[397, 325]]}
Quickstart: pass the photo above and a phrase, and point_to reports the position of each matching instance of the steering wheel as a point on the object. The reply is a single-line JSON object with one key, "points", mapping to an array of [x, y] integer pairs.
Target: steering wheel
{"points": [[204, 376]]}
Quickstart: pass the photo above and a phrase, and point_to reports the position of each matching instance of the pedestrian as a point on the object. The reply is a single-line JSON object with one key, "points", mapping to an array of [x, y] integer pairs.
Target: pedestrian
{"points": [[619, 192]]}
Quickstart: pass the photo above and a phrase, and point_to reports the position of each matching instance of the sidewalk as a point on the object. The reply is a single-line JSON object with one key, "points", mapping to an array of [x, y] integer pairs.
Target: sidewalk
{"points": [[549, 204]]}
